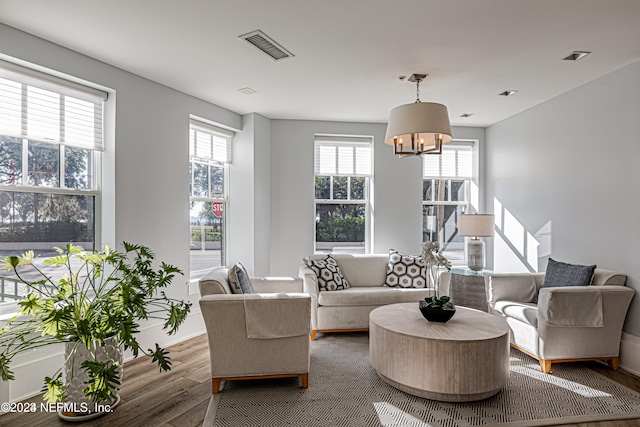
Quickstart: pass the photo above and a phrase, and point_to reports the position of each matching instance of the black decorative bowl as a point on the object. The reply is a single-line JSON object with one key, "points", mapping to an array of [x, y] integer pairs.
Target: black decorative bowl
{"points": [[442, 315]]}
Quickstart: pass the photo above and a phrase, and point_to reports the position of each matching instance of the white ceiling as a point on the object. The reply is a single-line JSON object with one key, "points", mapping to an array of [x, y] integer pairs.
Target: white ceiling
{"points": [[349, 53]]}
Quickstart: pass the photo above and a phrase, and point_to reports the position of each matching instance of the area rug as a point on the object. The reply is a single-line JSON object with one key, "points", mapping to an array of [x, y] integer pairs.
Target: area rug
{"points": [[344, 390]]}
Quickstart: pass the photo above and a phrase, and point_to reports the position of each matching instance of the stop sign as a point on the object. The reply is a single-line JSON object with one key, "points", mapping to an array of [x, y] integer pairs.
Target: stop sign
{"points": [[216, 209]]}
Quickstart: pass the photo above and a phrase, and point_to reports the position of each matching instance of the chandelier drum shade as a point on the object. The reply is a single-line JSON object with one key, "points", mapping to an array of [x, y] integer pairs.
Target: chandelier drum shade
{"points": [[418, 128]]}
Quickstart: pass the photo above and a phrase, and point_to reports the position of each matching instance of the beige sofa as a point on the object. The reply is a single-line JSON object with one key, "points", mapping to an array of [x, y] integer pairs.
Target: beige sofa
{"points": [[348, 310], [272, 324], [567, 323]]}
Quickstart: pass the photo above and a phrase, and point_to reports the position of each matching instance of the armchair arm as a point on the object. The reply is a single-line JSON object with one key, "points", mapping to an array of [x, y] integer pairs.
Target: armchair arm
{"points": [[563, 333], [517, 287], [310, 286], [583, 306], [215, 282]]}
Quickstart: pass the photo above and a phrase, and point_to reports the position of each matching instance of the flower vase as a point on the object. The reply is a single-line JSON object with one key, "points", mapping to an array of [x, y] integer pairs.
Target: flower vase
{"points": [[77, 406]]}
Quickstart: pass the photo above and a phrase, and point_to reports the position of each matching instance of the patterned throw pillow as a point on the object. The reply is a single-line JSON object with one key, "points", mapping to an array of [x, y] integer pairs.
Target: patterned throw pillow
{"points": [[405, 271], [560, 274], [239, 280], [329, 276]]}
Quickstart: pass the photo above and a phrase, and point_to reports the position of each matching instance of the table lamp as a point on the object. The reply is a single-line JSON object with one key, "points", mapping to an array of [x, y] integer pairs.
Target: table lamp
{"points": [[476, 226]]}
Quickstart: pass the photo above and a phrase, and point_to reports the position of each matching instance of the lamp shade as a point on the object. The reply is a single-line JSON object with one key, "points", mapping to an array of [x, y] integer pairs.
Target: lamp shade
{"points": [[477, 225], [424, 118]]}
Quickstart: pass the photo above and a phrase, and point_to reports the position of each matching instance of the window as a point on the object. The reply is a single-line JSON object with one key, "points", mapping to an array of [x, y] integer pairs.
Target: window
{"points": [[445, 195], [342, 185], [209, 158], [51, 138]]}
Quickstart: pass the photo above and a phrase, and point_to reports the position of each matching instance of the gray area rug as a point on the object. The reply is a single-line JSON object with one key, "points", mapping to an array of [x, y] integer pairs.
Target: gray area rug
{"points": [[344, 390]]}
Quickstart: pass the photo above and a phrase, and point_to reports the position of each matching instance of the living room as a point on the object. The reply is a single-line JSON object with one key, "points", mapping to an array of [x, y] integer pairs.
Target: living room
{"points": [[532, 165]]}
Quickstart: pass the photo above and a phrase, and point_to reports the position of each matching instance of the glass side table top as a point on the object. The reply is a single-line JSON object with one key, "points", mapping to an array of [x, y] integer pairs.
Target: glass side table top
{"points": [[470, 272]]}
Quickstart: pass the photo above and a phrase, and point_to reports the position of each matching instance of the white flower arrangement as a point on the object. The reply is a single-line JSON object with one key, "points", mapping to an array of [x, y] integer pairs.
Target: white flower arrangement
{"points": [[433, 258]]}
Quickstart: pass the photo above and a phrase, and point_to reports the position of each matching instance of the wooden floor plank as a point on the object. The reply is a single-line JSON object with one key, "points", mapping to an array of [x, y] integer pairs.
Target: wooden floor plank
{"points": [[179, 398]]}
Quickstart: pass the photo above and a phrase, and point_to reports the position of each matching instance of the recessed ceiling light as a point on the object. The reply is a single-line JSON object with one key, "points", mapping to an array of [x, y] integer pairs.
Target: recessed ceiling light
{"points": [[575, 55], [508, 92], [465, 115], [247, 91]]}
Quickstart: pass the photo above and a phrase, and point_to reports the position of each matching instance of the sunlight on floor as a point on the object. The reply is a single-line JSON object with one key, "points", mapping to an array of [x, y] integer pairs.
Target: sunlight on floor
{"points": [[390, 415], [577, 388]]}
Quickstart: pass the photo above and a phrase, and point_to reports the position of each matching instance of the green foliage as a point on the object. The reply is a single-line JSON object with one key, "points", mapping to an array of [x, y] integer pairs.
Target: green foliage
{"points": [[103, 380], [106, 297], [53, 388], [341, 229], [5, 373], [209, 234], [160, 356], [443, 302]]}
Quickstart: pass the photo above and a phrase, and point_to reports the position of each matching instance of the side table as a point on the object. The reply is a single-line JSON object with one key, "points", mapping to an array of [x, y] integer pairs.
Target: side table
{"points": [[467, 288]]}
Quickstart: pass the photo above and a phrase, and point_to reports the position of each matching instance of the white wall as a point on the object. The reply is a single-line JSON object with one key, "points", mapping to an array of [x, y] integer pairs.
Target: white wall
{"points": [[146, 199], [397, 189], [250, 200], [564, 177]]}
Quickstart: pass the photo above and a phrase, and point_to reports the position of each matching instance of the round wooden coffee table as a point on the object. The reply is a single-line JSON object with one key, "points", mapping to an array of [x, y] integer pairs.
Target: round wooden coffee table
{"points": [[462, 360]]}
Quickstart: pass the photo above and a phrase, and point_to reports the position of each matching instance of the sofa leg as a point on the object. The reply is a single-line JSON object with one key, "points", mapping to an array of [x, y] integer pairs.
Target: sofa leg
{"points": [[313, 335], [614, 363], [304, 378], [215, 385], [545, 366]]}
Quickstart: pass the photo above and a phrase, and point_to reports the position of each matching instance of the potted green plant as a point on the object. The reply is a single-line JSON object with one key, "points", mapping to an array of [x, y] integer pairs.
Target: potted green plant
{"points": [[435, 308], [95, 307]]}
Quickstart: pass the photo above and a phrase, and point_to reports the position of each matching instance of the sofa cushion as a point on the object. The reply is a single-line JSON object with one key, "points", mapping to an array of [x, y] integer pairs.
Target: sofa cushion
{"points": [[522, 311], [405, 271], [361, 269], [374, 295], [329, 276], [239, 280]]}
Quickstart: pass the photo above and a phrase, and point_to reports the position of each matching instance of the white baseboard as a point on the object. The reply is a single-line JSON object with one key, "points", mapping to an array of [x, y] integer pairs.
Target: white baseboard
{"points": [[630, 353]]}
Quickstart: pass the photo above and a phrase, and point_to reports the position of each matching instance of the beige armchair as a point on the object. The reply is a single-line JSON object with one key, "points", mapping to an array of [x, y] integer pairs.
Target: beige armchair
{"points": [[256, 336], [567, 324]]}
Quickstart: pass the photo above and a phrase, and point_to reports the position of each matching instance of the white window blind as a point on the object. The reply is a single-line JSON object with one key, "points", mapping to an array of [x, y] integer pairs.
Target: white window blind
{"points": [[454, 162], [209, 142], [342, 156], [41, 107]]}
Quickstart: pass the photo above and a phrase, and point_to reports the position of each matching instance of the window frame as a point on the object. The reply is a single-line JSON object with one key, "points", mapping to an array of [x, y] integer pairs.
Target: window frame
{"points": [[352, 141], [65, 90], [201, 125], [464, 205]]}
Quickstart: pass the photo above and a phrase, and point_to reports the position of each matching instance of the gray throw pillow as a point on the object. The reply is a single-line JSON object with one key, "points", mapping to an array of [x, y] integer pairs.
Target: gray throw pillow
{"points": [[561, 274], [405, 271], [239, 280]]}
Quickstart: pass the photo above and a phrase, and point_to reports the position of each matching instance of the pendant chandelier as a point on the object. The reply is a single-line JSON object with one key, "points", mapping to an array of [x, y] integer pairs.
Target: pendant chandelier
{"points": [[418, 128]]}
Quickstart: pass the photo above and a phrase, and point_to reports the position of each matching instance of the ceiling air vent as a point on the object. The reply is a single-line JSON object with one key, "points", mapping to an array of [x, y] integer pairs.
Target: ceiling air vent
{"points": [[267, 45]]}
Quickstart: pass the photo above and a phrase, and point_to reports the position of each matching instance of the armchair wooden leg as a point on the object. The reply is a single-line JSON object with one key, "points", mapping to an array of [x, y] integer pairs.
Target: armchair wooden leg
{"points": [[545, 366], [614, 363], [313, 335], [215, 385], [304, 378]]}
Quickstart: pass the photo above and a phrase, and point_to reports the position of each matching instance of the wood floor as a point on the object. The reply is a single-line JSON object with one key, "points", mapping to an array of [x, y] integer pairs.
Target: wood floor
{"points": [[179, 398]]}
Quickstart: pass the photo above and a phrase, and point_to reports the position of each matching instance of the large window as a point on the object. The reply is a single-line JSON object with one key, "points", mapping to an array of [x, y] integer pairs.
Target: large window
{"points": [[209, 158], [445, 195], [342, 185], [51, 138]]}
